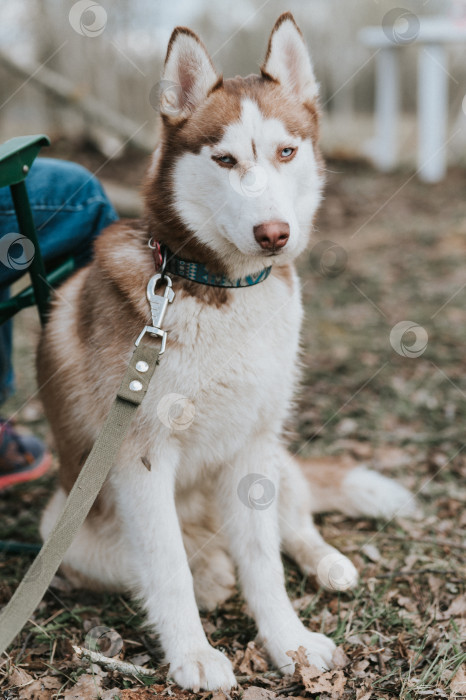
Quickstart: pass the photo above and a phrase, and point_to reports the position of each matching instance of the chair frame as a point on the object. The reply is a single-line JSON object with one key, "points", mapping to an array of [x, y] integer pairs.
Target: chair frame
{"points": [[16, 157]]}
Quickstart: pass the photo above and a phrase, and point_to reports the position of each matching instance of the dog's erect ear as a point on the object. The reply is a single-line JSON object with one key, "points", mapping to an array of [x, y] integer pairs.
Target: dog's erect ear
{"points": [[188, 75], [287, 60]]}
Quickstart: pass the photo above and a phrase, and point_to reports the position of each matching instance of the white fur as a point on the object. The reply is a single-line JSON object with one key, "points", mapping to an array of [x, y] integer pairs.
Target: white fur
{"points": [[224, 215]]}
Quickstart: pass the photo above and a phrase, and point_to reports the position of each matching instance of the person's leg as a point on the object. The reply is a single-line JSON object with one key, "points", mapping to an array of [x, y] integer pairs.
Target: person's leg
{"points": [[70, 209]]}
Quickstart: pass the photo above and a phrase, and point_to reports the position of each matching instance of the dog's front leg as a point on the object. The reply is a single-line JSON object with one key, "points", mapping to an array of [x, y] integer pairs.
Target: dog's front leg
{"points": [[249, 503], [162, 578]]}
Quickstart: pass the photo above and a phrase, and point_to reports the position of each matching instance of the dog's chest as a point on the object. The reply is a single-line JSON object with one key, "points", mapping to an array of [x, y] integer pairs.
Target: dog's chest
{"points": [[235, 366]]}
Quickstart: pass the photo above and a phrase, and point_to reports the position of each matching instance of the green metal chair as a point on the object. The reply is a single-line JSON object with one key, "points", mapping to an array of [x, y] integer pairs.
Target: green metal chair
{"points": [[16, 157]]}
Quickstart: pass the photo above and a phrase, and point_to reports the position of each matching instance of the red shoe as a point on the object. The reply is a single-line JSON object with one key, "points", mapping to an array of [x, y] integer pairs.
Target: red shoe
{"points": [[22, 457]]}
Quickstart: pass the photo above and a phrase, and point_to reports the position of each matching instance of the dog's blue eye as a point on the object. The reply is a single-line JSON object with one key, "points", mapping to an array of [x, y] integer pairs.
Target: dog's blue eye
{"points": [[287, 152]]}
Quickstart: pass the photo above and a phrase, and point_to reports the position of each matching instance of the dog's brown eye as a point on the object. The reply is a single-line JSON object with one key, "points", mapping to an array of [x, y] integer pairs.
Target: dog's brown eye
{"points": [[287, 153], [226, 160]]}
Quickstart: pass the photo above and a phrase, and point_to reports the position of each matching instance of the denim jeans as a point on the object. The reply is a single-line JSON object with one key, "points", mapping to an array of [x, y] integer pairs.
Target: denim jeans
{"points": [[70, 209]]}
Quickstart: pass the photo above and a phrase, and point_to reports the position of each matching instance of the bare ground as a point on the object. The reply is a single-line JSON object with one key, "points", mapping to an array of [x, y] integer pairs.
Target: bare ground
{"points": [[397, 254]]}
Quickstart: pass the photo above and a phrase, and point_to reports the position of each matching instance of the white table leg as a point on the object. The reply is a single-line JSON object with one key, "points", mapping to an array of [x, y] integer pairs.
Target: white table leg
{"points": [[432, 112], [387, 100]]}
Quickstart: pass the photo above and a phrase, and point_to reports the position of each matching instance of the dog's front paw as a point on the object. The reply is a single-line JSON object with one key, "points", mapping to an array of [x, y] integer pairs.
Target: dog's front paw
{"points": [[204, 669], [319, 650]]}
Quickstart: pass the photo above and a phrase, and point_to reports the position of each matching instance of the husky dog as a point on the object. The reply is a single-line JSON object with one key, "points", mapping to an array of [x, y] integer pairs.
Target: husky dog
{"points": [[200, 495]]}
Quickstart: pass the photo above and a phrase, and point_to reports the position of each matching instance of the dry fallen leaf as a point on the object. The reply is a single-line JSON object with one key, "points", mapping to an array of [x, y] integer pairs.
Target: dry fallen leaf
{"points": [[252, 662], [42, 689], [219, 695], [299, 656], [456, 609], [408, 603], [410, 560], [18, 678], [256, 693], [339, 658], [87, 688], [139, 659], [458, 682], [332, 682], [117, 694], [435, 584], [134, 694], [363, 694], [359, 667], [315, 681]]}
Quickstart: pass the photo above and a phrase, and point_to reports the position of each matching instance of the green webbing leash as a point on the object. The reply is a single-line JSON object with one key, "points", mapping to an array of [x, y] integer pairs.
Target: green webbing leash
{"points": [[133, 388]]}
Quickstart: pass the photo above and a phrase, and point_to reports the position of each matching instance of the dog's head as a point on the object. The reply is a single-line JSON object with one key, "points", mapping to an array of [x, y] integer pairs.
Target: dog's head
{"points": [[236, 179]]}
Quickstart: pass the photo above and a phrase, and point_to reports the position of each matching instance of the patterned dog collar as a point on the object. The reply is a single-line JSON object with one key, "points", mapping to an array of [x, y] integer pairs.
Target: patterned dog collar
{"points": [[197, 272]]}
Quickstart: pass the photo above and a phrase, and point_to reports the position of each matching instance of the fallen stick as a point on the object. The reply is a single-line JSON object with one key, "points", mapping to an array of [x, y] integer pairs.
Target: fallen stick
{"points": [[110, 664], [258, 676], [128, 669]]}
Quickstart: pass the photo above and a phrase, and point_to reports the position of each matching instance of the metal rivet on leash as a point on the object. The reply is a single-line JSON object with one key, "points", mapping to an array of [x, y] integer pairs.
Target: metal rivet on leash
{"points": [[135, 385], [142, 366]]}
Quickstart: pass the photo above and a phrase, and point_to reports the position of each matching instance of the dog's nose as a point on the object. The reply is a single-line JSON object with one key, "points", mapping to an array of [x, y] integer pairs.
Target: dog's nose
{"points": [[272, 235]]}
